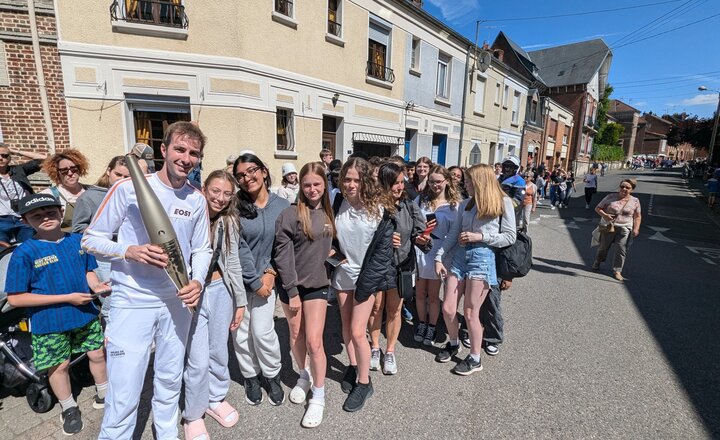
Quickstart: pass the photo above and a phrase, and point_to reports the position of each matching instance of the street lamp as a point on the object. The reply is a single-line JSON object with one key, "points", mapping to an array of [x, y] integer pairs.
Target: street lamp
{"points": [[715, 125]]}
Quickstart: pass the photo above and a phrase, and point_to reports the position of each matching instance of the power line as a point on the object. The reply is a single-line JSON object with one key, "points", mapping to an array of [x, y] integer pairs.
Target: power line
{"points": [[629, 36], [666, 77], [667, 31], [573, 14]]}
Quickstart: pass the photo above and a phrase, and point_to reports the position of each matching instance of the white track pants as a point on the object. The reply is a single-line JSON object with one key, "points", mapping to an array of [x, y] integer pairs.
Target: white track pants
{"points": [[256, 343], [130, 335], [207, 377]]}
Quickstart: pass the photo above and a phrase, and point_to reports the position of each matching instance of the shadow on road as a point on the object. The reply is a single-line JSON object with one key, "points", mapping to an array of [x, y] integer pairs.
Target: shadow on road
{"points": [[676, 293]]}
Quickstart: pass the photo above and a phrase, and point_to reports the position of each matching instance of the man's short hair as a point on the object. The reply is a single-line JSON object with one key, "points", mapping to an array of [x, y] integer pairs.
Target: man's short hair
{"points": [[184, 128], [324, 152]]}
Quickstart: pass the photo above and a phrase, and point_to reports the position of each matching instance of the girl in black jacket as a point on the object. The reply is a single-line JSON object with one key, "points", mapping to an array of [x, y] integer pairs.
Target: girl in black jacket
{"points": [[364, 228]]}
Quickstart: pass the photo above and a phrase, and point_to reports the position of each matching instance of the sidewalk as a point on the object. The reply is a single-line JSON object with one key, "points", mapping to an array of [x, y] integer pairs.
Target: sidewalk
{"points": [[700, 191]]}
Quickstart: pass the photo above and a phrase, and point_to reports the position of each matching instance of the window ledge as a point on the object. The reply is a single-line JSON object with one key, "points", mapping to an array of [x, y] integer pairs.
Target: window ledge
{"points": [[442, 101], [515, 124], [378, 82], [283, 154], [414, 71], [284, 19], [334, 39], [481, 114], [496, 104], [504, 107], [149, 30]]}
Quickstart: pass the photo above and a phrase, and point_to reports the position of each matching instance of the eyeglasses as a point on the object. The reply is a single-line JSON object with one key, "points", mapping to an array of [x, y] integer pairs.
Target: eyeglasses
{"points": [[436, 182], [250, 173], [5, 155], [68, 170]]}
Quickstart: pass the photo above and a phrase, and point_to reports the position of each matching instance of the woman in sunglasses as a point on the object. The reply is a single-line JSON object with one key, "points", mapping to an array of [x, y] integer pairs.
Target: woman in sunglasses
{"points": [[622, 211], [65, 170], [14, 185]]}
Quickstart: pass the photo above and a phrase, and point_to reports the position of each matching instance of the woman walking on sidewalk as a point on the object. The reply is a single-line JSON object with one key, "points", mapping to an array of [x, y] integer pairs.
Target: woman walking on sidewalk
{"points": [[303, 234], [621, 210], [221, 309]]}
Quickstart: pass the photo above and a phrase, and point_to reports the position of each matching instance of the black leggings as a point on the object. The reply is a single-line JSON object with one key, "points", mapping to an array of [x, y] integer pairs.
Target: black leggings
{"points": [[589, 193]]}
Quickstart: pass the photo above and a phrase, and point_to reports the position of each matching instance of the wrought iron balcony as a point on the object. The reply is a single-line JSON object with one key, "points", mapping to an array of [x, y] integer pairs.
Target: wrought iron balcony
{"points": [[380, 72], [169, 13], [284, 7], [334, 28]]}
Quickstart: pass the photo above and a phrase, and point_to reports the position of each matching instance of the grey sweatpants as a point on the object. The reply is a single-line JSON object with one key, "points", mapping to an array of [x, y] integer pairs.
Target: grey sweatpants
{"points": [[491, 317], [207, 377], [256, 344], [622, 237]]}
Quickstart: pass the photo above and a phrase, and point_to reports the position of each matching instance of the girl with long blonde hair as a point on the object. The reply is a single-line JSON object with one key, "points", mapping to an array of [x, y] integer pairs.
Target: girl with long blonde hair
{"points": [[485, 221], [303, 234]]}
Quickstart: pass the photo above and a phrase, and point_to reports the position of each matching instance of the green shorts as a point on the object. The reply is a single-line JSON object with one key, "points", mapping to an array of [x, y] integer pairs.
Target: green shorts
{"points": [[53, 349]]}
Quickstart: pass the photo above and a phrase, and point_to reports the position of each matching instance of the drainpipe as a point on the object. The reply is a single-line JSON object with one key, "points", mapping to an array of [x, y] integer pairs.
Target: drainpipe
{"points": [[464, 101], [41, 77]]}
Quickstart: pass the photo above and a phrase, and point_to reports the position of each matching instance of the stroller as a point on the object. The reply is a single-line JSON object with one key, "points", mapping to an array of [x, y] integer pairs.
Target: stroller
{"points": [[17, 373]]}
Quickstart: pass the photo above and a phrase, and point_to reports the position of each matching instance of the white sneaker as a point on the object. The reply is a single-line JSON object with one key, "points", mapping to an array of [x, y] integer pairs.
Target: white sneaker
{"points": [[390, 366], [552, 206], [374, 359], [587, 206]]}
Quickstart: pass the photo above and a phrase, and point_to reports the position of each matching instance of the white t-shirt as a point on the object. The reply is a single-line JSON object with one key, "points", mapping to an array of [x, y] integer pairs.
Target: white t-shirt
{"points": [[9, 190], [355, 230], [65, 195], [137, 285]]}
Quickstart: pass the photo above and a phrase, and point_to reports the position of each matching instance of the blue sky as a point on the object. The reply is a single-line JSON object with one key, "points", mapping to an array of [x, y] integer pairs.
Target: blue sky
{"points": [[660, 74]]}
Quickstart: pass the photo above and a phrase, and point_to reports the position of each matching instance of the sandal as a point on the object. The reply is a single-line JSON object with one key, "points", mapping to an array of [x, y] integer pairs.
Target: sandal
{"points": [[313, 414], [225, 414], [195, 430], [300, 391]]}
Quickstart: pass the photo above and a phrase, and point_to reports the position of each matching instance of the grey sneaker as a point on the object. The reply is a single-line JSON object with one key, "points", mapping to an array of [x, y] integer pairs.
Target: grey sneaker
{"points": [[429, 336], [467, 366], [390, 366], [420, 332], [72, 421], [374, 359]]}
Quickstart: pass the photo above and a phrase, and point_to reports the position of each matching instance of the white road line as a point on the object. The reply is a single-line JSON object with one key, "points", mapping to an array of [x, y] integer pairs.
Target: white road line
{"points": [[709, 261]]}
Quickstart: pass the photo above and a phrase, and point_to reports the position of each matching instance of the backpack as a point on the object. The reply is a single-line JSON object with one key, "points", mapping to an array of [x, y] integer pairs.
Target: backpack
{"points": [[515, 261]]}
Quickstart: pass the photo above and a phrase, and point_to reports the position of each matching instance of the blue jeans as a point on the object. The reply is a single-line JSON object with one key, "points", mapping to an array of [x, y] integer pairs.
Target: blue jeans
{"points": [[11, 227], [554, 190], [474, 261]]}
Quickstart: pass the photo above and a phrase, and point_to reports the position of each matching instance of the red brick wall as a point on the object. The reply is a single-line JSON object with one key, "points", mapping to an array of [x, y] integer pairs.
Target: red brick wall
{"points": [[21, 116]]}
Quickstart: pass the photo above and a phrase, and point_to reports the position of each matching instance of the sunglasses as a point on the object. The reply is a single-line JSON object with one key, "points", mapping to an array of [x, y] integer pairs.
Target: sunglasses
{"points": [[625, 187], [250, 173], [5, 155], [68, 170]]}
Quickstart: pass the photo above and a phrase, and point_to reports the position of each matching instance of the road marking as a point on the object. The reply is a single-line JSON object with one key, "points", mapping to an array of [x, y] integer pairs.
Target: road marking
{"points": [[581, 219], [659, 237], [707, 254], [658, 229], [709, 261], [671, 217], [572, 225]]}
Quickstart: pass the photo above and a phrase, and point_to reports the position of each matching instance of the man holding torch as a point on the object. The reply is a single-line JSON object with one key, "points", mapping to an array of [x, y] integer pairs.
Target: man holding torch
{"points": [[147, 306]]}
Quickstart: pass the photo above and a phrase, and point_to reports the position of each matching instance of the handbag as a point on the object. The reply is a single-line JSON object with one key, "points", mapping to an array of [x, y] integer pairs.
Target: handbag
{"points": [[609, 227]]}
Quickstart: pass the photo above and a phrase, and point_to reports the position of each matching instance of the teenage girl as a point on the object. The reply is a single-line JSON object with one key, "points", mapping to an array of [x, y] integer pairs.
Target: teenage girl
{"points": [[485, 221], [422, 170], [441, 197], [221, 309], [302, 234], [364, 232]]}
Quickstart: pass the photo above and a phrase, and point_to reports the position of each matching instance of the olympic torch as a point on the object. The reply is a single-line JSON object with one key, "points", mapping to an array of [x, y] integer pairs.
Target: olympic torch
{"points": [[158, 226]]}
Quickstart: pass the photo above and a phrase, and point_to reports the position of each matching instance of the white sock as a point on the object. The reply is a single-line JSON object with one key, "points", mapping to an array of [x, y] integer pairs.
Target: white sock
{"points": [[214, 405], [305, 374], [454, 342], [475, 357], [318, 394], [67, 403], [101, 389]]}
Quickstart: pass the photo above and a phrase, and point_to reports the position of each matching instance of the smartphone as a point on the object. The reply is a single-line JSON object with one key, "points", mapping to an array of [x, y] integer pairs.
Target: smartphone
{"points": [[101, 293], [336, 259], [428, 218]]}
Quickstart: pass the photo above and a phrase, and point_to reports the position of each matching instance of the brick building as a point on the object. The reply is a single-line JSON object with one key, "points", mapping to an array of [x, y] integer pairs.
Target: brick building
{"points": [[628, 117], [31, 117], [651, 138]]}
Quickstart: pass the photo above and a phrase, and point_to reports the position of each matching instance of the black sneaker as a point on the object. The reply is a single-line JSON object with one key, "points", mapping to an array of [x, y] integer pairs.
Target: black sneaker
{"points": [[465, 337], [349, 379], [356, 400], [447, 352], [253, 391], [98, 403], [274, 390], [72, 421], [467, 366], [491, 349], [420, 329]]}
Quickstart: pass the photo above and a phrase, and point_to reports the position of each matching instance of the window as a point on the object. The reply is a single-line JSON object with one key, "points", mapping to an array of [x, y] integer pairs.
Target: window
{"points": [[480, 95], [533, 110], [566, 135], [497, 93], [150, 124], [335, 18], [285, 7], [552, 130], [475, 155], [443, 76], [506, 94], [284, 127], [161, 12], [515, 107], [378, 51], [415, 54]]}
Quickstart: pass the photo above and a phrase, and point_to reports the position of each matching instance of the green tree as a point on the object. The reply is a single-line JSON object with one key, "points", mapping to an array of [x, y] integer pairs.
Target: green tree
{"points": [[610, 134]]}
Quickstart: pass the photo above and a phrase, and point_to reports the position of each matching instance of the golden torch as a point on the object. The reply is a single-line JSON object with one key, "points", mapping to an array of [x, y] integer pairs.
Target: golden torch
{"points": [[158, 226]]}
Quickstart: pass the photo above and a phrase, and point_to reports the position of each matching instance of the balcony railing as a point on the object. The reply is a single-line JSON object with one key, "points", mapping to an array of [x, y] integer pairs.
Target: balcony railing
{"points": [[284, 7], [380, 72], [156, 12], [334, 28]]}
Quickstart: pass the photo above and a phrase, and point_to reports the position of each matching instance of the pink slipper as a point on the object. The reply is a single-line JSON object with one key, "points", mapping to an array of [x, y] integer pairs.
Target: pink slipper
{"points": [[225, 414], [196, 430]]}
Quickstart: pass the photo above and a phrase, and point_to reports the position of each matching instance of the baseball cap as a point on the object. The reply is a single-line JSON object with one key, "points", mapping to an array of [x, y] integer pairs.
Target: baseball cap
{"points": [[144, 151], [35, 201], [512, 159], [288, 168]]}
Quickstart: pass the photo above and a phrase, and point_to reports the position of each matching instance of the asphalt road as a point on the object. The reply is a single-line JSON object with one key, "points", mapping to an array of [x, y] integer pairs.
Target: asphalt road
{"points": [[585, 356]]}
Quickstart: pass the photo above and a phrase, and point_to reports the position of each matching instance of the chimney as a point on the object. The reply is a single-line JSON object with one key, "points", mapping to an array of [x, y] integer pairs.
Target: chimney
{"points": [[499, 54]]}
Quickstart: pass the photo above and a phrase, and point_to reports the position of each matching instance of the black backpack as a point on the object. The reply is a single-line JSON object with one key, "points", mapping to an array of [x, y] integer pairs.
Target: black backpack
{"points": [[515, 261]]}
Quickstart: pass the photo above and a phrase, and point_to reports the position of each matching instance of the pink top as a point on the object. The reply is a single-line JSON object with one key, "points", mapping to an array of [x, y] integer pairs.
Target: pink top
{"points": [[616, 206]]}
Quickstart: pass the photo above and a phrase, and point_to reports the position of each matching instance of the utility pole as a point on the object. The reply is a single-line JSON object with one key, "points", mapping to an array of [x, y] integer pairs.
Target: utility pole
{"points": [[715, 126]]}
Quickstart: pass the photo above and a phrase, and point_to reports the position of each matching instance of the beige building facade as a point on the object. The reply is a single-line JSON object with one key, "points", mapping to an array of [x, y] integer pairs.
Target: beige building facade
{"points": [[280, 78]]}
